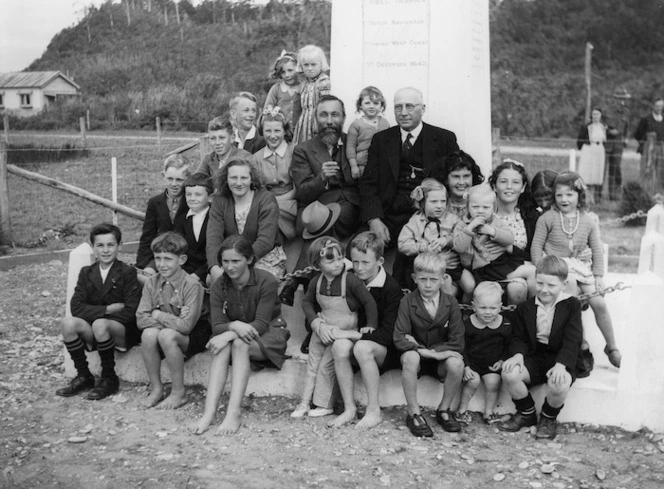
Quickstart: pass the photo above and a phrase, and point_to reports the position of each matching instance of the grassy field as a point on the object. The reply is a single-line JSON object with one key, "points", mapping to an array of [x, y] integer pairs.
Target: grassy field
{"points": [[36, 209]]}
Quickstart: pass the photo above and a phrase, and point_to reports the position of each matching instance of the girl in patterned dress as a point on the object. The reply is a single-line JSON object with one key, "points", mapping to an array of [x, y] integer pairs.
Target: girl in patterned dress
{"points": [[285, 94], [312, 62]]}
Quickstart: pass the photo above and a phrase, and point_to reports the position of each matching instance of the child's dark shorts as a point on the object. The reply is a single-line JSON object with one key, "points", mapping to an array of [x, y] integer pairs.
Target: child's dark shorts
{"points": [[483, 369], [132, 338], [455, 273], [432, 368], [540, 363], [199, 337]]}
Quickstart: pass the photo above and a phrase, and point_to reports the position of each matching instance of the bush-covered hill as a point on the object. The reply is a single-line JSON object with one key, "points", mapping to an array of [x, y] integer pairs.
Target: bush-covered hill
{"points": [[136, 56]]}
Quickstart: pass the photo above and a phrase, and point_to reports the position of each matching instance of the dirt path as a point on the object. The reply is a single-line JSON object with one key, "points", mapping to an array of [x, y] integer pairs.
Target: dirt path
{"points": [[46, 441]]}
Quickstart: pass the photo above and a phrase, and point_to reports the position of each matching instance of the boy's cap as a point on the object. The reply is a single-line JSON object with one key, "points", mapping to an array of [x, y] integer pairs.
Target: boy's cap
{"points": [[318, 218]]}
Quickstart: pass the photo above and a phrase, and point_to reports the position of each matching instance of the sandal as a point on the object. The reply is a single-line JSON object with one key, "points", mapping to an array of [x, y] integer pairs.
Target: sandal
{"points": [[614, 356], [465, 417], [493, 418]]}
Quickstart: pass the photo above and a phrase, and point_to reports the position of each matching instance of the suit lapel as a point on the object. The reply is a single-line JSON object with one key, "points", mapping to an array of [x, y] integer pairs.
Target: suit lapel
{"points": [[111, 278], [421, 311], [531, 322], [189, 227], [429, 145], [95, 278]]}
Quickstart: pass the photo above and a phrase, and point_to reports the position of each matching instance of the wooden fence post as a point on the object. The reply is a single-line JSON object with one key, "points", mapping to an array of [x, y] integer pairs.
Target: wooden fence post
{"points": [[572, 160], [87, 119], [114, 187], [5, 223], [5, 121], [158, 123], [82, 124]]}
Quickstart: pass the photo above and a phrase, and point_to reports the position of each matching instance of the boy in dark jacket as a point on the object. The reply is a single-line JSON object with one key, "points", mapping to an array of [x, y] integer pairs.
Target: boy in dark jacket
{"points": [[103, 311]]}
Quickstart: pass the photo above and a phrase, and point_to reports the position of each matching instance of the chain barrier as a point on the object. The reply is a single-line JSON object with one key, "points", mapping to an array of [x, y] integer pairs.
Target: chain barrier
{"points": [[658, 198]]}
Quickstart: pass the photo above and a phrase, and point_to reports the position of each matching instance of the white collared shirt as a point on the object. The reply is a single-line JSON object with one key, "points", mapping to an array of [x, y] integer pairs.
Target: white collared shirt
{"points": [[415, 132], [104, 272], [250, 135], [378, 280], [197, 220], [545, 317], [658, 117], [280, 151]]}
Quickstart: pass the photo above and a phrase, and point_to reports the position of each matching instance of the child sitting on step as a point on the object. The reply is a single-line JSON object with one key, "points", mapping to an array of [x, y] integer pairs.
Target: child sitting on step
{"points": [[103, 311]]}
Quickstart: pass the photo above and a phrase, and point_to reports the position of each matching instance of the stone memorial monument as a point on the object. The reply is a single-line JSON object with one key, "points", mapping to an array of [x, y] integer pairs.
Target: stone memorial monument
{"points": [[438, 46]]}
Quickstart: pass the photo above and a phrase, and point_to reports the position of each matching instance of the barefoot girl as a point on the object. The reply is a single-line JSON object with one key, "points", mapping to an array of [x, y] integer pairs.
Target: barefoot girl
{"points": [[246, 326], [566, 230]]}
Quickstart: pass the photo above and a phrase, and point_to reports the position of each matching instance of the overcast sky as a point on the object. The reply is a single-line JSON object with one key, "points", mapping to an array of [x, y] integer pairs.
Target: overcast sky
{"points": [[27, 26]]}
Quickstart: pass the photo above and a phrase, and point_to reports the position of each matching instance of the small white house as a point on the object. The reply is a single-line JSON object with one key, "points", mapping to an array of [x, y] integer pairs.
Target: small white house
{"points": [[27, 93]]}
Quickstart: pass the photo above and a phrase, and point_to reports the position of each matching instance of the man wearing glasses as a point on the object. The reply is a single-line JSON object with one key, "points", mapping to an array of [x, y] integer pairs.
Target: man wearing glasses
{"points": [[399, 158]]}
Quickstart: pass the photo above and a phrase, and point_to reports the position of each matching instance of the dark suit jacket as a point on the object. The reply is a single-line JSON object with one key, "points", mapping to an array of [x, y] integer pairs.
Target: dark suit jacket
{"points": [[378, 184], [445, 332], [306, 166], [196, 254], [91, 296], [252, 145], [566, 331], [157, 221], [387, 299]]}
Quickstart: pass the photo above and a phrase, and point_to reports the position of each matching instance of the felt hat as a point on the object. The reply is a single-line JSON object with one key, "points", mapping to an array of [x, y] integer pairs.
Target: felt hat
{"points": [[319, 218]]}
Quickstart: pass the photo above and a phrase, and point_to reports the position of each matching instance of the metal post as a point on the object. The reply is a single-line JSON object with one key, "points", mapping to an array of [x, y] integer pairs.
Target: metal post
{"points": [[114, 186], [589, 54]]}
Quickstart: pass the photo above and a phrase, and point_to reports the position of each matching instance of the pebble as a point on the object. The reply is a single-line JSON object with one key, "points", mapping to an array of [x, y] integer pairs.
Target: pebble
{"points": [[165, 456], [77, 439], [499, 477], [161, 434], [88, 429], [554, 445], [119, 399], [524, 465], [385, 480], [535, 484], [600, 474], [45, 293], [547, 468]]}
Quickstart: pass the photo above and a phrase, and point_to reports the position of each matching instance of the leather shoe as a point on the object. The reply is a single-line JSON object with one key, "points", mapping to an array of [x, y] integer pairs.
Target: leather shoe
{"points": [[105, 388], [304, 348], [78, 384], [447, 420], [518, 421], [418, 426], [546, 428], [584, 363], [287, 294]]}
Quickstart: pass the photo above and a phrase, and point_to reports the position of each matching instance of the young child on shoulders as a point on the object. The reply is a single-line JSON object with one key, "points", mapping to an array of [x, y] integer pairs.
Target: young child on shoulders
{"points": [[220, 137], [430, 229], [566, 230], [244, 112], [164, 211], [331, 305], [488, 336], [429, 332], [198, 192], [482, 241], [546, 339], [285, 94], [370, 104], [173, 320], [103, 311], [311, 61]]}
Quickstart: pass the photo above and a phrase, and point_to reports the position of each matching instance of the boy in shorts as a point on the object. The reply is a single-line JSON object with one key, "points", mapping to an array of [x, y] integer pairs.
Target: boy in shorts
{"points": [[173, 320], [103, 311], [546, 340], [430, 333]]}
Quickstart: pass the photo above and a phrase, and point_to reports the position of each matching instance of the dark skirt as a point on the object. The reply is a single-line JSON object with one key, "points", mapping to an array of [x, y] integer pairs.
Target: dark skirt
{"points": [[498, 269]]}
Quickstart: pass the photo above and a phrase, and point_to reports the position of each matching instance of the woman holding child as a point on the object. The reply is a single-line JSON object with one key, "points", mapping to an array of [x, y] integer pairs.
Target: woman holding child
{"points": [[242, 206], [246, 327]]}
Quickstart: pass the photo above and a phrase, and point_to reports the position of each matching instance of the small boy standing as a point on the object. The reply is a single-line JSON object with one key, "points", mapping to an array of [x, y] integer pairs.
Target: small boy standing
{"points": [[103, 308], [164, 210], [172, 318], [197, 191], [430, 332], [546, 341]]}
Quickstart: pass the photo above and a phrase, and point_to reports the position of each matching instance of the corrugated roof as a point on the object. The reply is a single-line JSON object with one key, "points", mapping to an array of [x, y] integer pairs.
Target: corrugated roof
{"points": [[31, 79]]}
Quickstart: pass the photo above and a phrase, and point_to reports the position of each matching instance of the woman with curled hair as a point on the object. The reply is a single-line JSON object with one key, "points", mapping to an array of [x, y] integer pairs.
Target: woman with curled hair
{"points": [[242, 206]]}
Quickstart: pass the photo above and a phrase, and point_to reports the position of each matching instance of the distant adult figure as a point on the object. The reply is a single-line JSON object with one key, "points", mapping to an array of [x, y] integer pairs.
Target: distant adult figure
{"points": [[592, 137], [652, 153], [399, 159], [616, 135]]}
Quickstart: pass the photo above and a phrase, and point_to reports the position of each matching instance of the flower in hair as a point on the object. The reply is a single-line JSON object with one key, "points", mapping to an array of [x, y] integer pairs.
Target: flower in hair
{"points": [[329, 244], [579, 185], [417, 194], [272, 111]]}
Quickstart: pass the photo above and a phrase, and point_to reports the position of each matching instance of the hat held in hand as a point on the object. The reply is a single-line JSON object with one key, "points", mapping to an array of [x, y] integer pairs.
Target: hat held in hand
{"points": [[318, 218]]}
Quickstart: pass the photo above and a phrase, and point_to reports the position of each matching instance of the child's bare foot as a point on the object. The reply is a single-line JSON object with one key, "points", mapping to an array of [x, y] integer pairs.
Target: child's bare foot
{"points": [[204, 424], [173, 401], [369, 421], [154, 398], [344, 418], [230, 424]]}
